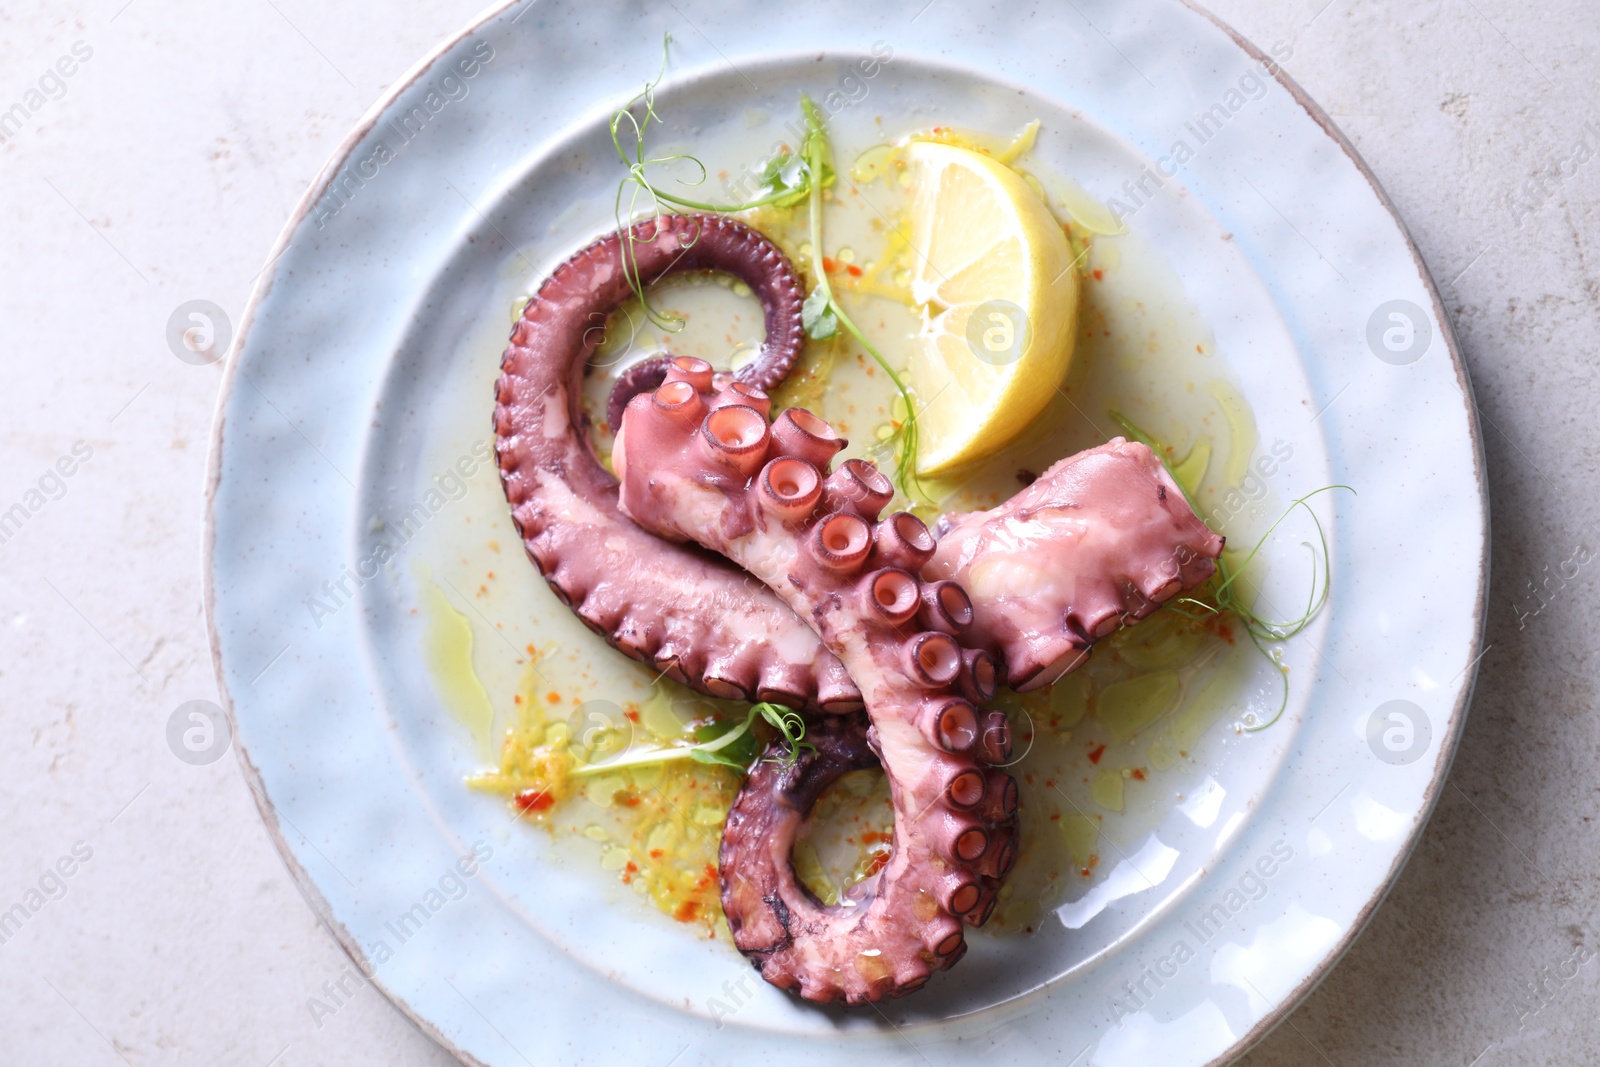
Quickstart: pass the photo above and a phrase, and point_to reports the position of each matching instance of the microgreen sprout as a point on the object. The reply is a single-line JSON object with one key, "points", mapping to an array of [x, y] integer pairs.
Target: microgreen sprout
{"points": [[785, 180], [1224, 588], [719, 750], [822, 315], [636, 177]]}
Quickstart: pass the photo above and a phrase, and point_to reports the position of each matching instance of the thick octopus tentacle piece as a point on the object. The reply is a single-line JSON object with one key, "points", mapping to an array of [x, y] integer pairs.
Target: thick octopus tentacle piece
{"points": [[691, 615], [1101, 540], [703, 467], [1151, 540]]}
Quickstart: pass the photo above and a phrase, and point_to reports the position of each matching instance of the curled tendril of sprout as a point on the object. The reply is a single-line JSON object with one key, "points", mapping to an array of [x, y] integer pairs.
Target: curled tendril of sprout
{"points": [[817, 151], [787, 722], [639, 181], [637, 184], [1260, 631]]}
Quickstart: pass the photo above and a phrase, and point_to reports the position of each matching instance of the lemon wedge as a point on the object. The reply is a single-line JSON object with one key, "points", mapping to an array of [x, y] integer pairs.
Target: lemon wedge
{"points": [[994, 276]]}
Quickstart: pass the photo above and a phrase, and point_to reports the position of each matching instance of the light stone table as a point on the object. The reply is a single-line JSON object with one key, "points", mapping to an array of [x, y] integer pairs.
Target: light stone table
{"points": [[159, 171]]}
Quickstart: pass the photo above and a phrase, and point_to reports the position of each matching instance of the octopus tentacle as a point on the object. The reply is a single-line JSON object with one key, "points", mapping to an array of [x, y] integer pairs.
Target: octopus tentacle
{"points": [[645, 376], [1101, 540], [761, 265], [684, 611], [813, 538]]}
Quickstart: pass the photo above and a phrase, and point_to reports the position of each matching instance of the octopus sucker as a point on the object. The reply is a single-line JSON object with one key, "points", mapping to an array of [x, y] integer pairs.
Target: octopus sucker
{"points": [[724, 486], [640, 593]]}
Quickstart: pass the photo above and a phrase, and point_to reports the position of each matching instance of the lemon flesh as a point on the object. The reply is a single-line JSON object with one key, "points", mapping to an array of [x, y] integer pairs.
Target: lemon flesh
{"points": [[995, 278]]}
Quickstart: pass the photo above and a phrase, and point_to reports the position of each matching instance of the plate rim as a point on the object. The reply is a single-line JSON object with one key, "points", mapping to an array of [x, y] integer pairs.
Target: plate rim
{"points": [[1458, 715], [318, 187], [314, 192]]}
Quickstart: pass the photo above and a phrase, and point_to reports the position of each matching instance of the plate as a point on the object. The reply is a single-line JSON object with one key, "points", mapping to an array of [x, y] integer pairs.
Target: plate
{"points": [[349, 456]]}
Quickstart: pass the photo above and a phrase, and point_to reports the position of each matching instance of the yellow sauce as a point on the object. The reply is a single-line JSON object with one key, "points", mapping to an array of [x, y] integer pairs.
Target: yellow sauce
{"points": [[447, 650], [658, 827], [848, 836]]}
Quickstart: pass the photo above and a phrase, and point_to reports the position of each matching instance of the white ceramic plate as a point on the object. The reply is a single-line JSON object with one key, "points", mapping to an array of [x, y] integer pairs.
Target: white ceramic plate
{"points": [[363, 371]]}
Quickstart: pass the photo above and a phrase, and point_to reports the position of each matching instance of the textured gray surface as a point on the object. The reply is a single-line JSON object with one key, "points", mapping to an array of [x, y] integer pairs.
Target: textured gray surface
{"points": [[161, 174]]}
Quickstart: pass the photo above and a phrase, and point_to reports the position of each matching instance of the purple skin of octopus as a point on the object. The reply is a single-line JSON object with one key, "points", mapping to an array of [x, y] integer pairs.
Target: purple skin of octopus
{"points": [[1099, 541]]}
